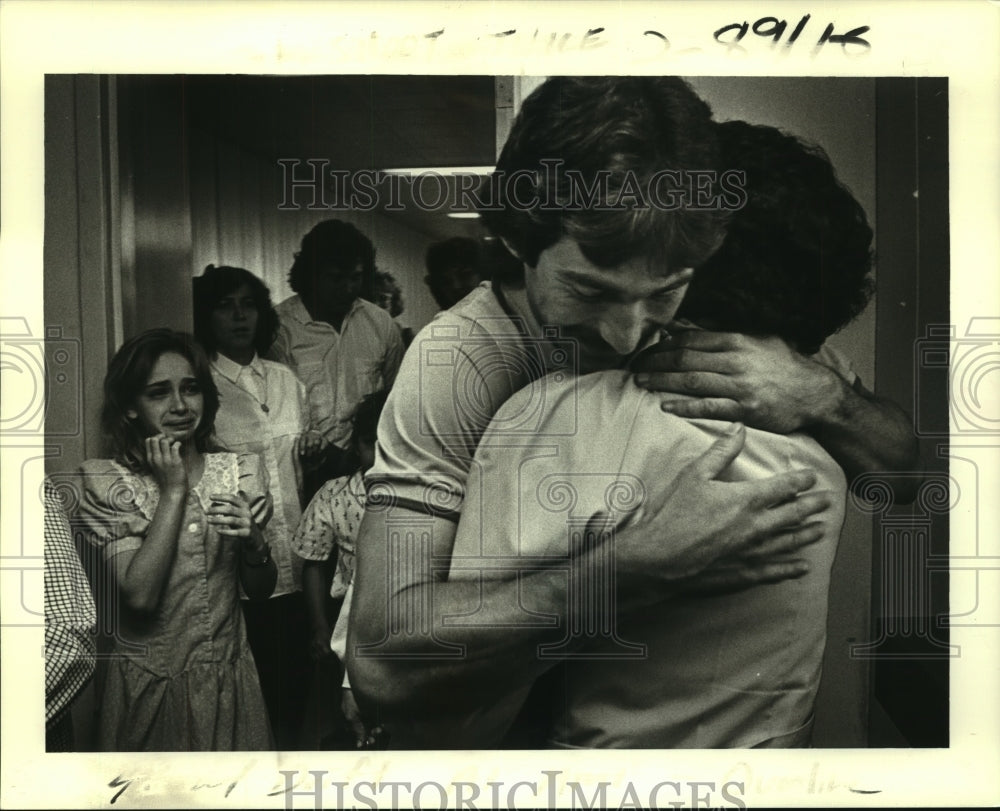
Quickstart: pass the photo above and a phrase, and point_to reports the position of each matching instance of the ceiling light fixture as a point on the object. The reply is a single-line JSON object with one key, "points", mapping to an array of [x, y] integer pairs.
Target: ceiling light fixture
{"points": [[447, 171]]}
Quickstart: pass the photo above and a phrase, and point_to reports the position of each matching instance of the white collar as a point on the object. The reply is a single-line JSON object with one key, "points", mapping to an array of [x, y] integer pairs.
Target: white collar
{"points": [[296, 309], [231, 370]]}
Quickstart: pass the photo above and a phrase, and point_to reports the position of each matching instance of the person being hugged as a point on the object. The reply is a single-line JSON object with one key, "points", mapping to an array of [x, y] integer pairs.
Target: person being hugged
{"points": [[180, 528]]}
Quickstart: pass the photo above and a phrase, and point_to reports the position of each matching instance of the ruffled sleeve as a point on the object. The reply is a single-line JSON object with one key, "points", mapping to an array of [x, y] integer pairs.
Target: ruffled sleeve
{"points": [[111, 507], [255, 485]]}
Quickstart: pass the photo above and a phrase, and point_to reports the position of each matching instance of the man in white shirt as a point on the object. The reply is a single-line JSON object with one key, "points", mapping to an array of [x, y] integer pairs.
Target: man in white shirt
{"points": [[340, 346]]}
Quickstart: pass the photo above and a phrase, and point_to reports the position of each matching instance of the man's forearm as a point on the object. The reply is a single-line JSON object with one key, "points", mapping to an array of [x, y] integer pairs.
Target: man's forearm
{"points": [[866, 434], [420, 644], [447, 644], [768, 385]]}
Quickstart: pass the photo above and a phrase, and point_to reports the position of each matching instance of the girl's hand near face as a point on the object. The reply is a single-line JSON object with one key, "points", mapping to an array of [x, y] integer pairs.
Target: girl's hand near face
{"points": [[167, 464]]}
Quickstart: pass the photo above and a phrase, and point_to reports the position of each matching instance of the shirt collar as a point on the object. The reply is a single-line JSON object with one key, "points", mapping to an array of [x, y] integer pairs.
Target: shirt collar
{"points": [[230, 369], [358, 304], [514, 301], [297, 310], [294, 308], [256, 365]]}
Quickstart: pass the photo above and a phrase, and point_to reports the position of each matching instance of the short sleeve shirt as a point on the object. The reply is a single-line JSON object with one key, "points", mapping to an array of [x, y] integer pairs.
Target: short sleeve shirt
{"points": [[454, 377], [333, 517]]}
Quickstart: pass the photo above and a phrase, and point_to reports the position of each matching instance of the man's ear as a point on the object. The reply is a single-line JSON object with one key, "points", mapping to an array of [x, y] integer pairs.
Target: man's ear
{"points": [[131, 413]]}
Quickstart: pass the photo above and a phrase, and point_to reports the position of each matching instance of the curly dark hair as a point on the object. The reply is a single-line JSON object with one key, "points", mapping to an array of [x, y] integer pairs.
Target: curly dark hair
{"points": [[626, 130], [797, 258], [128, 373], [218, 282], [337, 244]]}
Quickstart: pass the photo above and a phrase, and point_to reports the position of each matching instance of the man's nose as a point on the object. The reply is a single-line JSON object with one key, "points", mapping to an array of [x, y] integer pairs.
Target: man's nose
{"points": [[239, 313], [624, 327]]}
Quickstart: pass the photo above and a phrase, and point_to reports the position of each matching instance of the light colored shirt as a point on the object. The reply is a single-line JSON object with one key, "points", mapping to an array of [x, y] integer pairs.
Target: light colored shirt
{"points": [[735, 670], [339, 369], [70, 616], [262, 410], [332, 519], [456, 373]]}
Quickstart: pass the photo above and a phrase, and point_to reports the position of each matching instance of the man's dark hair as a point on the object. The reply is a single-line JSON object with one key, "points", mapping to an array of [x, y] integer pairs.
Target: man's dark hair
{"points": [[336, 244], [797, 258], [629, 130], [218, 282], [448, 258]]}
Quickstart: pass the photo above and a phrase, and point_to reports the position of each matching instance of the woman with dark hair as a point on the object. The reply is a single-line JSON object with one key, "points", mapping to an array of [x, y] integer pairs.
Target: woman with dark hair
{"points": [[263, 410], [180, 527]]}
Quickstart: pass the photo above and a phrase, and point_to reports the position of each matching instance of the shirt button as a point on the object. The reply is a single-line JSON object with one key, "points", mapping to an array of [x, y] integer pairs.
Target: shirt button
{"points": [[193, 526]]}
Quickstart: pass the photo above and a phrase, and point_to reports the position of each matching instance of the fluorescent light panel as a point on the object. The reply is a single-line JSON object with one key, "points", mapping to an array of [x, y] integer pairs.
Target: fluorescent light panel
{"points": [[447, 171]]}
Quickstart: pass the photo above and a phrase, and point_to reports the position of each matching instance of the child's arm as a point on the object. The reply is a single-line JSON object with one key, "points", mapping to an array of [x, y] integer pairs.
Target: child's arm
{"points": [[313, 541], [314, 589], [142, 574]]}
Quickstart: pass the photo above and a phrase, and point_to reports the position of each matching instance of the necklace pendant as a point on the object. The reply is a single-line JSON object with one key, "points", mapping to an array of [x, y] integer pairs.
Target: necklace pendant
{"points": [[264, 408]]}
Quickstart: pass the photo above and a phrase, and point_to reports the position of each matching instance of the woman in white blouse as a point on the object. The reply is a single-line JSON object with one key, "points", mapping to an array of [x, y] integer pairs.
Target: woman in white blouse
{"points": [[263, 410]]}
